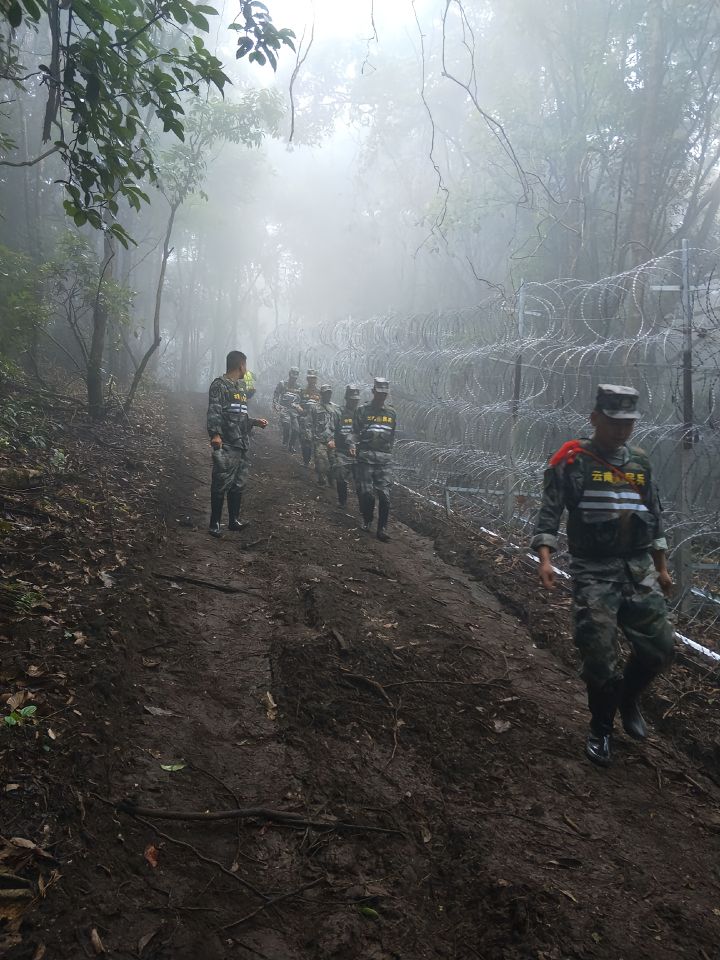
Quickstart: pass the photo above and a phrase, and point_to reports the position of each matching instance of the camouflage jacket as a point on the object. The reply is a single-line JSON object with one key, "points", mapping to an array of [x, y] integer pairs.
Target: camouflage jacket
{"points": [[342, 429], [373, 433], [286, 394], [323, 419], [307, 399], [614, 511], [227, 412]]}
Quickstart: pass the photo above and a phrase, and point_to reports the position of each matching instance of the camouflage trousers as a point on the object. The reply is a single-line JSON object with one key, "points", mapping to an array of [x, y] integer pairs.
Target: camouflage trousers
{"points": [[373, 478], [344, 468], [229, 470], [638, 610], [324, 461], [289, 426], [306, 439]]}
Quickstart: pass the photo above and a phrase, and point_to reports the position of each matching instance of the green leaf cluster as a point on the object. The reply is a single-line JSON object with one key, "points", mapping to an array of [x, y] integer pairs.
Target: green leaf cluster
{"points": [[18, 717], [22, 306], [260, 38]]}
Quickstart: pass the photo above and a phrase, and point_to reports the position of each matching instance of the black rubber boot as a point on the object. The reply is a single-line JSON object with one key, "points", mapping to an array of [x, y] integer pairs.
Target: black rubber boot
{"points": [[293, 441], [234, 499], [383, 514], [367, 508], [341, 492], [603, 705], [216, 508], [635, 680], [286, 434]]}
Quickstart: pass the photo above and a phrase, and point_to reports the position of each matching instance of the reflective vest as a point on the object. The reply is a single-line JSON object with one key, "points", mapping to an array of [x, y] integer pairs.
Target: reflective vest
{"points": [[610, 511]]}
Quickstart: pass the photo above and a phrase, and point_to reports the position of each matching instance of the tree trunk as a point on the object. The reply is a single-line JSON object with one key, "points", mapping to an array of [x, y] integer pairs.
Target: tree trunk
{"points": [[95, 380], [158, 304], [638, 233]]}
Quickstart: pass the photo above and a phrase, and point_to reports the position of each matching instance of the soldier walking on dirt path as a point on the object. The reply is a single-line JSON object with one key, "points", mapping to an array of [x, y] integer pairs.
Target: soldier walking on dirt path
{"points": [[344, 469], [285, 398], [229, 428], [309, 397], [371, 442], [618, 563], [324, 415]]}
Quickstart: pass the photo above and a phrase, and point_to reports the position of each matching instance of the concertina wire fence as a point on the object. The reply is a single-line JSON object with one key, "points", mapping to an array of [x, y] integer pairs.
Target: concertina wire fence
{"points": [[485, 395]]}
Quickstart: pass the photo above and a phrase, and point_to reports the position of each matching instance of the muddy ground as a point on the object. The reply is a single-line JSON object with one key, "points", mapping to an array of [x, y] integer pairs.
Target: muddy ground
{"points": [[418, 698]]}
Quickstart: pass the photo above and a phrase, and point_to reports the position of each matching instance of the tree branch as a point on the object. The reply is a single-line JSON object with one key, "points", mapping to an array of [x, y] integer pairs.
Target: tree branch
{"points": [[300, 60], [30, 163]]}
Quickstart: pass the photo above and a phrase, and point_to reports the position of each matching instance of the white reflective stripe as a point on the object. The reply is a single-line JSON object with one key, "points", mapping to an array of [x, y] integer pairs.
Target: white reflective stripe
{"points": [[612, 507], [378, 426], [614, 494]]}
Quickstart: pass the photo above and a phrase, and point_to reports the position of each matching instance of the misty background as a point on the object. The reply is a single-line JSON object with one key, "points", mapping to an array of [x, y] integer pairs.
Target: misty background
{"points": [[438, 149], [495, 204]]}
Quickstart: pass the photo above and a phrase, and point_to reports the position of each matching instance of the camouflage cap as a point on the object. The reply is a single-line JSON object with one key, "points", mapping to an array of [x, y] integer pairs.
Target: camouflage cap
{"points": [[380, 385], [352, 392], [326, 388], [294, 371], [617, 402], [311, 374]]}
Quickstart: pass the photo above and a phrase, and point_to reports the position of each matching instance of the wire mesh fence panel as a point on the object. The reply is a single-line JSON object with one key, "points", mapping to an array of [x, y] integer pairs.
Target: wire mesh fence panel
{"points": [[484, 396]]}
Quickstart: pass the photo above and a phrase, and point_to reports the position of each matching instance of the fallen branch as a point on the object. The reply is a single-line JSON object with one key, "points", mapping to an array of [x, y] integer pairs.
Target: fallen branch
{"points": [[254, 543], [458, 683], [6, 506], [249, 813], [342, 643], [373, 684], [211, 584], [201, 856], [270, 903]]}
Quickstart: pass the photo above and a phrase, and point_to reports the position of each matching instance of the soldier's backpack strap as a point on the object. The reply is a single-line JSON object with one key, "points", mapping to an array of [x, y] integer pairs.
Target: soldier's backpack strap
{"points": [[568, 453]]}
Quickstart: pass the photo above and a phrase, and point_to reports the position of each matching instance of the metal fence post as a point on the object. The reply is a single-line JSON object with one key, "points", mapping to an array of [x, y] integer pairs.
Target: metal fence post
{"points": [[683, 554], [510, 465]]}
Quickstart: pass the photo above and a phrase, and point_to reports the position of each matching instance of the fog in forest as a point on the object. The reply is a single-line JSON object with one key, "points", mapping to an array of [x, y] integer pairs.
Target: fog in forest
{"points": [[406, 158], [359, 487], [495, 205]]}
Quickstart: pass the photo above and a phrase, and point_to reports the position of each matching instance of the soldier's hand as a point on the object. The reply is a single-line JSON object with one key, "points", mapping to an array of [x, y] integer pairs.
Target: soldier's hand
{"points": [[665, 581], [331, 444], [262, 423], [548, 577], [216, 442]]}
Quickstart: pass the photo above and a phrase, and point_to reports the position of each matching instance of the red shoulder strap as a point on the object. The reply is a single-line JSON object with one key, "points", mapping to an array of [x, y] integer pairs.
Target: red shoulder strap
{"points": [[570, 450], [567, 453]]}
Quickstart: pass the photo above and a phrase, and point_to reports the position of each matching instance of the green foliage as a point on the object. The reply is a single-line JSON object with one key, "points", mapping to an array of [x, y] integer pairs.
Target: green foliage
{"points": [[260, 37], [22, 308], [182, 168], [18, 717], [114, 66], [73, 286]]}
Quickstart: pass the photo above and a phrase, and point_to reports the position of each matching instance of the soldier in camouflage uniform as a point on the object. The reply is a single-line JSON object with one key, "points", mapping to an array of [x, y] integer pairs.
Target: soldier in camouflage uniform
{"points": [[309, 398], [323, 416], [371, 442], [344, 470], [618, 563], [285, 397], [229, 429]]}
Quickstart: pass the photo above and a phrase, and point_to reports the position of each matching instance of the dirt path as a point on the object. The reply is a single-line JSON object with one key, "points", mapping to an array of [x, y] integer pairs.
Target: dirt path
{"points": [[380, 686]]}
